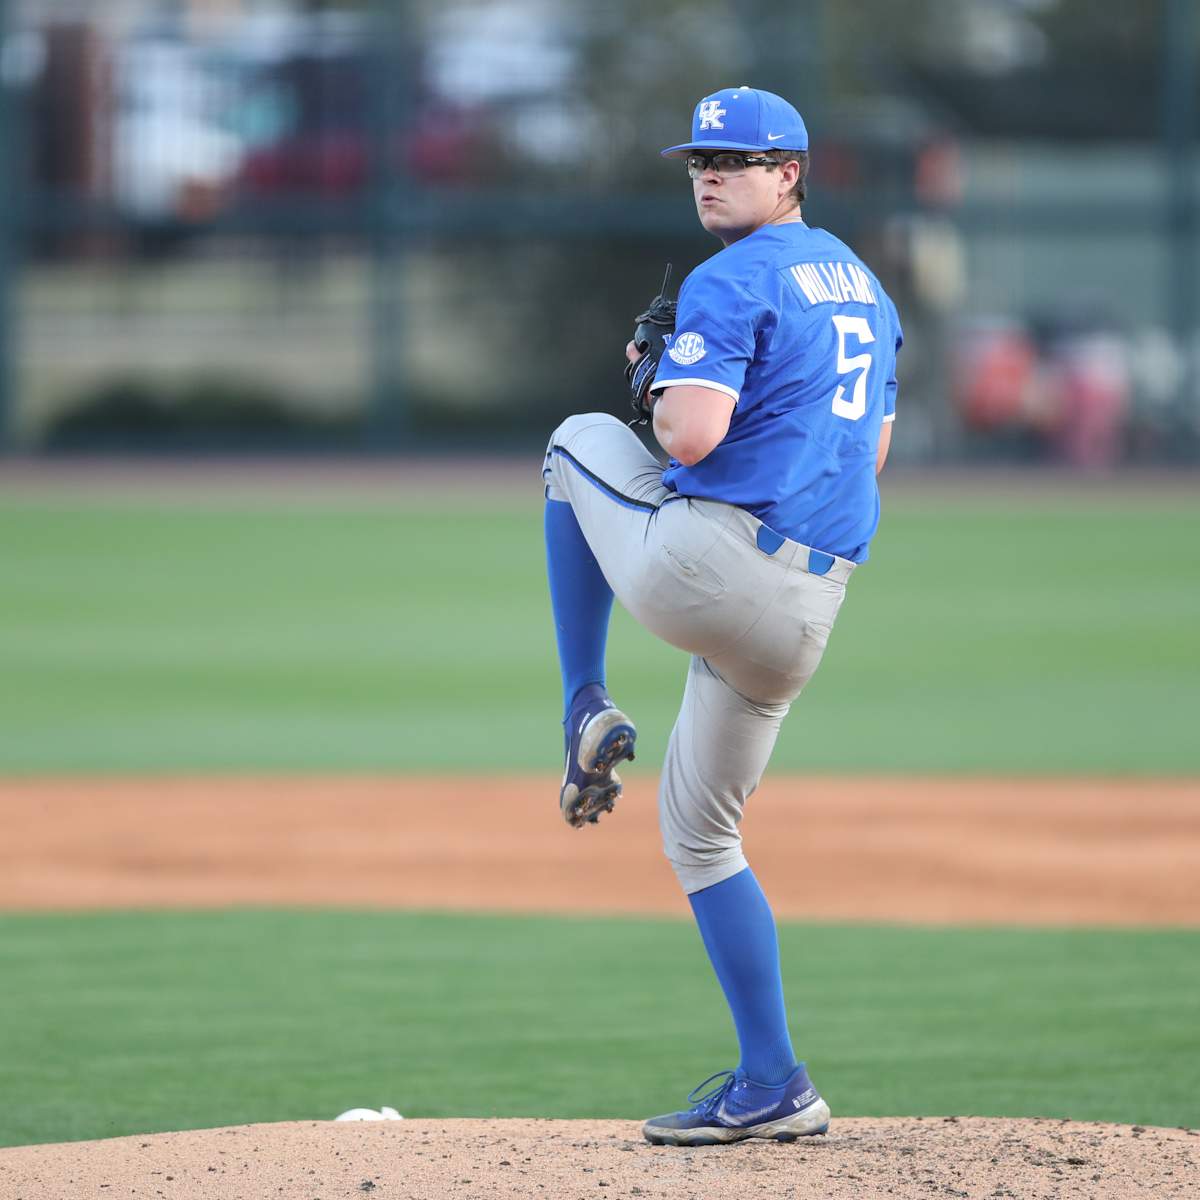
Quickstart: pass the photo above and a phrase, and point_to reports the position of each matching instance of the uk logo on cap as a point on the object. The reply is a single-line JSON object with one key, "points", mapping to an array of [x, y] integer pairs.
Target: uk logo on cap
{"points": [[743, 118]]}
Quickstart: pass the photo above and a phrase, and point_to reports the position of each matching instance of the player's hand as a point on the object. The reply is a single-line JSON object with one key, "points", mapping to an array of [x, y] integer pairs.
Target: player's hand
{"points": [[632, 353]]}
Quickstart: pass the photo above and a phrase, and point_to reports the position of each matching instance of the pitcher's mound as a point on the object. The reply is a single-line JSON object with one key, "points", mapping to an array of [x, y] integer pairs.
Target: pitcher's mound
{"points": [[861, 1157]]}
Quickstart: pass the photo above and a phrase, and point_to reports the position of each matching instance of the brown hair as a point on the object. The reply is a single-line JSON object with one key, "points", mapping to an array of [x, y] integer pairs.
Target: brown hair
{"points": [[800, 191]]}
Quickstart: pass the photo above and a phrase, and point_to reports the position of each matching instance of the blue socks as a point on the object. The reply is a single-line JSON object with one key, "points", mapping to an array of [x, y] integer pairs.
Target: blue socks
{"points": [[581, 599], [738, 929]]}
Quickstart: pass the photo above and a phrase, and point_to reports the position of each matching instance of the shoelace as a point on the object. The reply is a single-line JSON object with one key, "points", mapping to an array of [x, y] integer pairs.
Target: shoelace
{"points": [[709, 1101]]}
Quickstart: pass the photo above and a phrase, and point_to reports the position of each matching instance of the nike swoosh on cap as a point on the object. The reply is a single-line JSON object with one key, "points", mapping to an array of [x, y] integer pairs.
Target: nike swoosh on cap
{"points": [[774, 137]]}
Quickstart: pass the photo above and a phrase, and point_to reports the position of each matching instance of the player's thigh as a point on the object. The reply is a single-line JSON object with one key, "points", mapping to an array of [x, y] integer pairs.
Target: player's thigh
{"points": [[779, 653], [760, 622], [686, 594]]}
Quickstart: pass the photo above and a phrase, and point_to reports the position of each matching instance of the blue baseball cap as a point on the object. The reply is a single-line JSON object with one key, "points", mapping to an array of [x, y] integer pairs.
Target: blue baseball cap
{"points": [[743, 118]]}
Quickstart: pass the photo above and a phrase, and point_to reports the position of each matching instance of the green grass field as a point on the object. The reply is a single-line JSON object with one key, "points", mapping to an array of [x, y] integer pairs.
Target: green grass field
{"points": [[124, 1023], [984, 637]]}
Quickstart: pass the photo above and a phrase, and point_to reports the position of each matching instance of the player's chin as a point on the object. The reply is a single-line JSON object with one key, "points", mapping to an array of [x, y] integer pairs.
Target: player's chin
{"points": [[711, 216]]}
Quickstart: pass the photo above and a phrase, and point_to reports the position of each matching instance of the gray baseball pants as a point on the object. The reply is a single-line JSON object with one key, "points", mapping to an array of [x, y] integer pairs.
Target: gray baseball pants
{"points": [[711, 579]]}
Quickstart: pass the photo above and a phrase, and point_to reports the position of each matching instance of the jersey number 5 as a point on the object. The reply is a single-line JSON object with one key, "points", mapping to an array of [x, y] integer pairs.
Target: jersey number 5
{"points": [[856, 327]]}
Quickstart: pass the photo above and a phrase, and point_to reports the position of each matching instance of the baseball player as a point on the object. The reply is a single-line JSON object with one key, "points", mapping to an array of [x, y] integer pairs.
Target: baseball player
{"points": [[773, 395]]}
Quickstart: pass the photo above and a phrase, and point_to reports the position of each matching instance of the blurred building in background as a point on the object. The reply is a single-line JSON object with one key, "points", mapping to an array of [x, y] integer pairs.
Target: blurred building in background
{"points": [[271, 224]]}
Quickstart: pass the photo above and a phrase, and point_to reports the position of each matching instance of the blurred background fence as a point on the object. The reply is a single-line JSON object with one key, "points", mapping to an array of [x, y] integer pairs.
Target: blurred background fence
{"points": [[255, 224]]}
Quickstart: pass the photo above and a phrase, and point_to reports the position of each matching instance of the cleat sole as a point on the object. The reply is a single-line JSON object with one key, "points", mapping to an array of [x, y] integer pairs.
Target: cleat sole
{"points": [[608, 739], [586, 806]]}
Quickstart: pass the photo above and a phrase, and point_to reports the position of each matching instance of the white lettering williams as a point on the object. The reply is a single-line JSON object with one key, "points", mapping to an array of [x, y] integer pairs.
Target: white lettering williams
{"points": [[833, 283]]}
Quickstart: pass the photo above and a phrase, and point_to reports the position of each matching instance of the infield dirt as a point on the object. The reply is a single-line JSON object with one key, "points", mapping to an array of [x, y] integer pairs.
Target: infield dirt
{"points": [[941, 850]]}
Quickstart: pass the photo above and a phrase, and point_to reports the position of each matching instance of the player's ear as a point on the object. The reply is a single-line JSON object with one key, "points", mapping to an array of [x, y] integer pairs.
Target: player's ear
{"points": [[789, 172]]}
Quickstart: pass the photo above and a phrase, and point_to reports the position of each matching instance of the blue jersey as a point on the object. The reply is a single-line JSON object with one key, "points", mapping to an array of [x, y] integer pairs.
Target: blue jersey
{"points": [[792, 326]]}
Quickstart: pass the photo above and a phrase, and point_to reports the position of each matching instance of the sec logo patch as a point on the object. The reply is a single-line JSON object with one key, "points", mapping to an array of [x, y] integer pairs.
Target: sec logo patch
{"points": [[686, 349]]}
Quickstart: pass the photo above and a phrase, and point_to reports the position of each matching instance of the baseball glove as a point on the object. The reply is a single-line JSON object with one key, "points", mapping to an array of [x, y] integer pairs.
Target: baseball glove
{"points": [[654, 327]]}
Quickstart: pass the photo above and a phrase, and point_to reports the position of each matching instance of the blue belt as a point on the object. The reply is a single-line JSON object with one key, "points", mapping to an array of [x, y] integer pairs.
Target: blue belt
{"points": [[768, 541]]}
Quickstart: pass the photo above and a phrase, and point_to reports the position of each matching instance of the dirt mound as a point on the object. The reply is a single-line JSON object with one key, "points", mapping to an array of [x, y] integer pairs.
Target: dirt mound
{"points": [[425, 1160]]}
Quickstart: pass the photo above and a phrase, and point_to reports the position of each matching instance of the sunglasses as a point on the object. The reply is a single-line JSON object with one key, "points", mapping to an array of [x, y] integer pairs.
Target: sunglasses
{"points": [[727, 162]]}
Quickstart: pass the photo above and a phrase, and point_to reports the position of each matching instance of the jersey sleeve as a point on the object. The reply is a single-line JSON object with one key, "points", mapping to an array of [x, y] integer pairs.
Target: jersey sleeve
{"points": [[889, 391], [714, 337]]}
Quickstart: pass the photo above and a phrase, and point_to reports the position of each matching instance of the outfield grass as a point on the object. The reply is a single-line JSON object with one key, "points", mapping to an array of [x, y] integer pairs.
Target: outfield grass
{"points": [[121, 1023], [986, 637]]}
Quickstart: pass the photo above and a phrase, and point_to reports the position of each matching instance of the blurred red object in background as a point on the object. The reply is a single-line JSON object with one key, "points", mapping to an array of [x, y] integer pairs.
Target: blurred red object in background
{"points": [[993, 374]]}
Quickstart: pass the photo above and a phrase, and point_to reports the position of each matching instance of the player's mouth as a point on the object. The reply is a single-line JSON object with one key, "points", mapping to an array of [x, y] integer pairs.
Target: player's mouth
{"points": [[709, 198]]}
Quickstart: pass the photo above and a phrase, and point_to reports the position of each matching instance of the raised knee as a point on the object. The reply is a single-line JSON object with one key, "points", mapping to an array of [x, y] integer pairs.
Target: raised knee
{"points": [[574, 425], [563, 438]]}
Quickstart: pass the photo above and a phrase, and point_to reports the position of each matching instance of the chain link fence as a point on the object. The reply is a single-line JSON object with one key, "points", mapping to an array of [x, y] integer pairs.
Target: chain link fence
{"points": [[231, 224]]}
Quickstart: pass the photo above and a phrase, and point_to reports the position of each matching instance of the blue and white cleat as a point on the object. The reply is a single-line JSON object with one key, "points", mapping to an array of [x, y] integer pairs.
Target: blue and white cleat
{"points": [[598, 736], [738, 1108]]}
